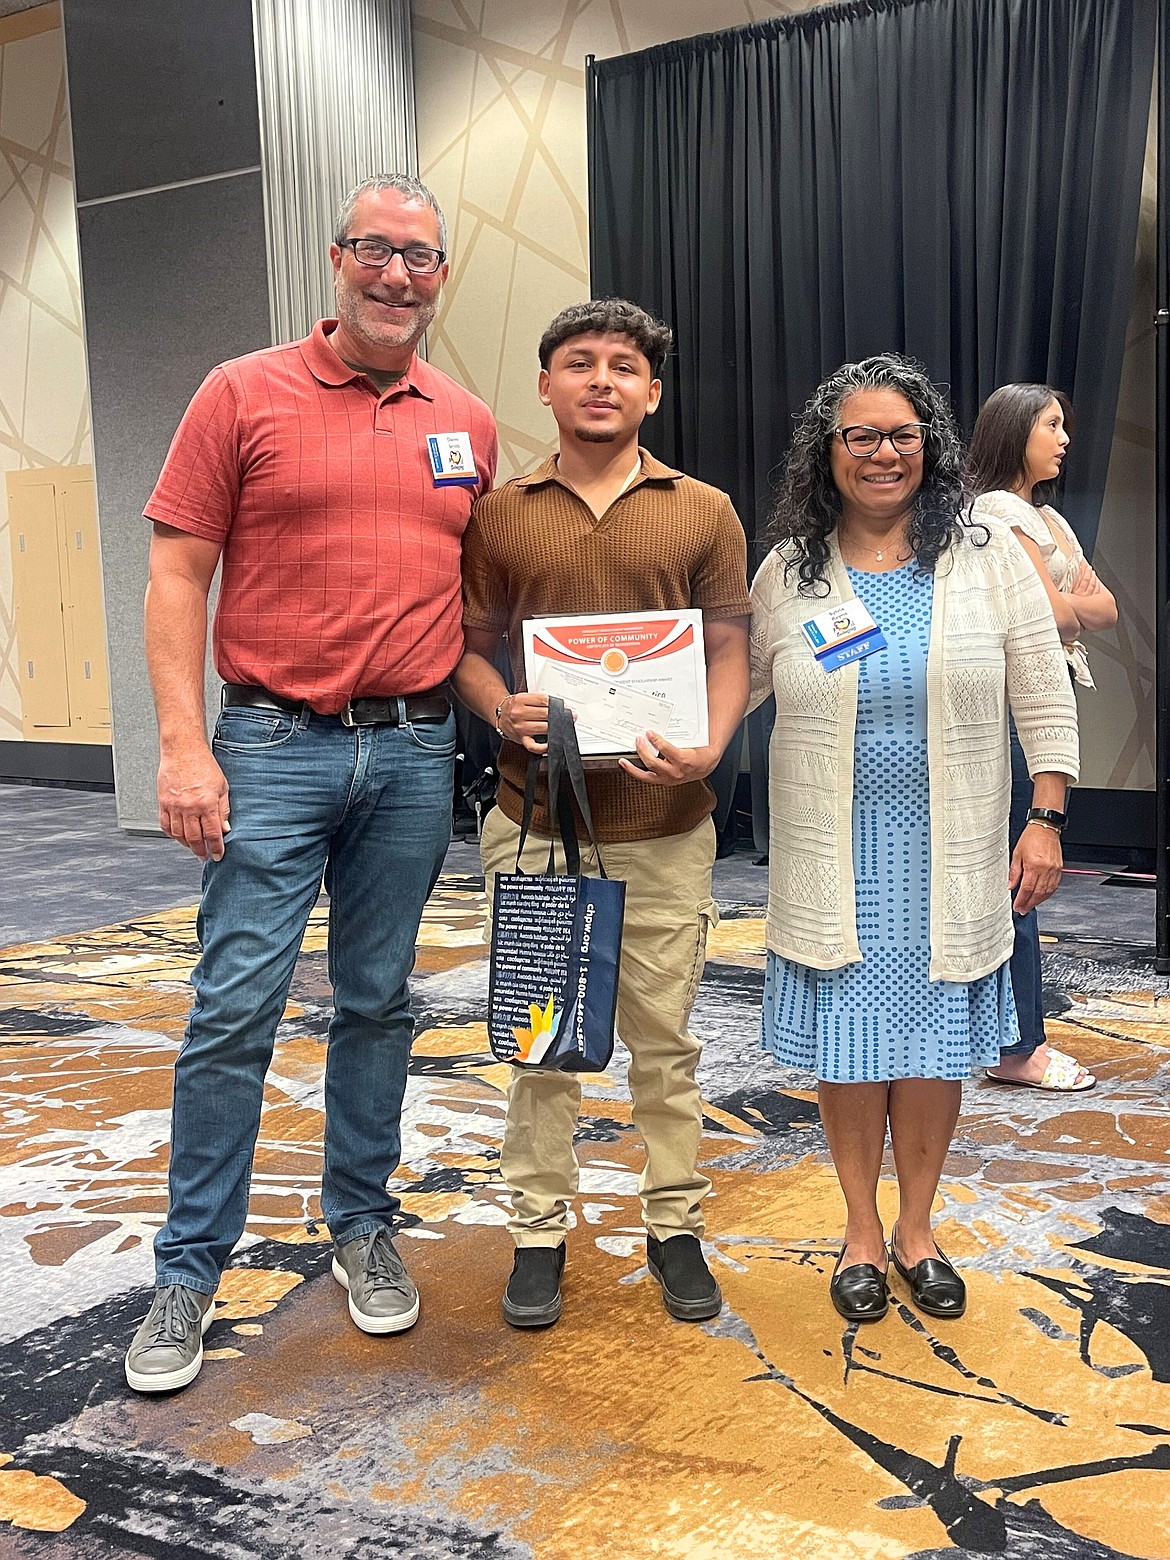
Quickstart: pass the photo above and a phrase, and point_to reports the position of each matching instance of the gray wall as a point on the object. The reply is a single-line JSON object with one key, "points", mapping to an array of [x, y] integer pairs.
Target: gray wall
{"points": [[171, 218]]}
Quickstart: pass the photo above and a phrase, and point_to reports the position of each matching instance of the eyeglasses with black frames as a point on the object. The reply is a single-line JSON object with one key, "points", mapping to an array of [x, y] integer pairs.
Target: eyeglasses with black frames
{"points": [[377, 254], [861, 440]]}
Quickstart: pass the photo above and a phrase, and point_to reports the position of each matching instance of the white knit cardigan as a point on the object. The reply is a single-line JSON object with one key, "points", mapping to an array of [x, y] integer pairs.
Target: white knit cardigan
{"points": [[993, 641]]}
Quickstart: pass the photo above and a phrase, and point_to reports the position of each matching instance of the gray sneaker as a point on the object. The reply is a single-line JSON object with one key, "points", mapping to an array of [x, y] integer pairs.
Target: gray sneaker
{"points": [[382, 1298], [167, 1351]]}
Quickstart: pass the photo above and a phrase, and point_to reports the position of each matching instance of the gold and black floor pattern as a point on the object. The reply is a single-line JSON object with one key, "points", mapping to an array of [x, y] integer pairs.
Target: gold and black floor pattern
{"points": [[1037, 1426]]}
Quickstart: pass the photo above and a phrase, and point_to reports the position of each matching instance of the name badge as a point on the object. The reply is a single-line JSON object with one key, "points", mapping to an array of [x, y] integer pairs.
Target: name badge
{"points": [[842, 634], [452, 462]]}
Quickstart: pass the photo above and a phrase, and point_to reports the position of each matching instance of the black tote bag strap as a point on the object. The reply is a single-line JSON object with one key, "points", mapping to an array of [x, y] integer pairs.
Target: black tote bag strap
{"points": [[564, 765], [560, 809], [529, 803], [562, 735]]}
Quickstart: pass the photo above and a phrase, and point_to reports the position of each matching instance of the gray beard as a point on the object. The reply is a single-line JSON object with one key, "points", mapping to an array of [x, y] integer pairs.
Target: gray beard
{"points": [[349, 313]]}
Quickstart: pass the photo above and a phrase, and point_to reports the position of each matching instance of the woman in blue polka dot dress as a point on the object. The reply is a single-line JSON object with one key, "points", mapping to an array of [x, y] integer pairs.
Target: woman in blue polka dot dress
{"points": [[890, 885]]}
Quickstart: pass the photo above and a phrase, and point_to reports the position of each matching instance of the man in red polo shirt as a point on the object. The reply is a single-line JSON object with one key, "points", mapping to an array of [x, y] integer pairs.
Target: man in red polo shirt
{"points": [[332, 478]]}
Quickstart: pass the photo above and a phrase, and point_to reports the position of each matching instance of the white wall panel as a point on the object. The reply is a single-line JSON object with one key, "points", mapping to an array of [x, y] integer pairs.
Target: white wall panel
{"points": [[44, 391], [336, 105]]}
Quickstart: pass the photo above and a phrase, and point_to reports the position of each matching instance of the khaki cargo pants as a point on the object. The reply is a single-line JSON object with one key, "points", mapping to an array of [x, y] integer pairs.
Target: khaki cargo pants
{"points": [[668, 910]]}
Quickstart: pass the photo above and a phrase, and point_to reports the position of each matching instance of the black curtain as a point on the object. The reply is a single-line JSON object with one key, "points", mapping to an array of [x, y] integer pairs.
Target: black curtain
{"points": [[957, 179]]}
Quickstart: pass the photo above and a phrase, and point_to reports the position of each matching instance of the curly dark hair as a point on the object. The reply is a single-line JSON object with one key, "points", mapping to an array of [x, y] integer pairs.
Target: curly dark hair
{"points": [[609, 317], [808, 507]]}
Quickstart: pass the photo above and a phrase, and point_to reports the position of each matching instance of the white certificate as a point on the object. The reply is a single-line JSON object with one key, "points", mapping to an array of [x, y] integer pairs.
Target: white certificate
{"points": [[623, 674]]}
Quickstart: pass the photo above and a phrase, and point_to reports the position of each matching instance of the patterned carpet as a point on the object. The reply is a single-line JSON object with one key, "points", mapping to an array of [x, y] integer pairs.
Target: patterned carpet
{"points": [[1038, 1426]]}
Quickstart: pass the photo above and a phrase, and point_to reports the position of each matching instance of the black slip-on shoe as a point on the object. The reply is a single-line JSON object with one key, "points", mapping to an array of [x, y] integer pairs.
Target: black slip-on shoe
{"points": [[689, 1290], [533, 1295], [935, 1287], [859, 1291]]}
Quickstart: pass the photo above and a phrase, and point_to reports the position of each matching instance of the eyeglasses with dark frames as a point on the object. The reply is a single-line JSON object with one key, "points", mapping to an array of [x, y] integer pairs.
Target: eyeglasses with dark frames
{"points": [[861, 440], [377, 254]]}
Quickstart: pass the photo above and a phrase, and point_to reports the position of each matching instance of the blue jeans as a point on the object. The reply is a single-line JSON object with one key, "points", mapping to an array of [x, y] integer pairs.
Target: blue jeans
{"points": [[370, 809], [1027, 985]]}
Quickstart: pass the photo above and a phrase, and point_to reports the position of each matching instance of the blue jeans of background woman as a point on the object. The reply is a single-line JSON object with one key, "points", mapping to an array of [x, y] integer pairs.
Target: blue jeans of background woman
{"points": [[1027, 986]]}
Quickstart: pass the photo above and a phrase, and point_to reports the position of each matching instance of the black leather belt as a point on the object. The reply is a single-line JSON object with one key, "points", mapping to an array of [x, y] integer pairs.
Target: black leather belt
{"points": [[416, 709]]}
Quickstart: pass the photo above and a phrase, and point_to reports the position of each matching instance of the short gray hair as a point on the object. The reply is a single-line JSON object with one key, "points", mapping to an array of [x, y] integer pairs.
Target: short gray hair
{"points": [[409, 188]]}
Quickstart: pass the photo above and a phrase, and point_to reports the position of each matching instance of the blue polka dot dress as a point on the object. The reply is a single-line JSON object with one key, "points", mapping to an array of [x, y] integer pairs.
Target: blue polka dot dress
{"points": [[883, 1018]]}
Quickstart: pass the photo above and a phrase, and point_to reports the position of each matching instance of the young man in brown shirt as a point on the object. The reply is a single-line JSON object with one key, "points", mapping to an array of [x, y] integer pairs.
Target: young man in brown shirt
{"points": [[604, 527]]}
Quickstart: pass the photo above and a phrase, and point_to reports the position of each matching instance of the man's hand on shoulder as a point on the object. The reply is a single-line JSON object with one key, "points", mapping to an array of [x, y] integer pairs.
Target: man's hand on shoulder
{"points": [[193, 800], [666, 764]]}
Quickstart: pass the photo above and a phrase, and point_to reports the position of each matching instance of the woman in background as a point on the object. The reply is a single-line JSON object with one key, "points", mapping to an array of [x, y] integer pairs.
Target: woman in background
{"points": [[1016, 452], [889, 882]]}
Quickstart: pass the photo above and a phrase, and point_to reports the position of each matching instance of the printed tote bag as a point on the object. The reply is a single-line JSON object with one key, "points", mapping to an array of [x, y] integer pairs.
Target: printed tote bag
{"points": [[556, 936]]}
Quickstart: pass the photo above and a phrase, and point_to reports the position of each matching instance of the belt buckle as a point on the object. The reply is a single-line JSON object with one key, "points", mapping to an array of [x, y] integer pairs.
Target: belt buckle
{"points": [[346, 714]]}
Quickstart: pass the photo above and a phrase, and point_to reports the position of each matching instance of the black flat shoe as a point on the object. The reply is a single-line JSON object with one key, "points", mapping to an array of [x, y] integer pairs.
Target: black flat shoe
{"points": [[859, 1291], [935, 1287], [533, 1295]]}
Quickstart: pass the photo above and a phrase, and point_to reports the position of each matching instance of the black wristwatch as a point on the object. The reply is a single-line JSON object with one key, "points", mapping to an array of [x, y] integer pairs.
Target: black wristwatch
{"points": [[1049, 815]]}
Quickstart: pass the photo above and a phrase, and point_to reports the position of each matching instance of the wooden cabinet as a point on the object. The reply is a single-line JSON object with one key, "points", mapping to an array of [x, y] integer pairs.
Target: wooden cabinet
{"points": [[57, 595]]}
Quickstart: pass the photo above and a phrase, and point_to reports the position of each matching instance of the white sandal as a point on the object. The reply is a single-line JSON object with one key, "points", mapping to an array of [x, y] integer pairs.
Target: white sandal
{"points": [[1062, 1075]]}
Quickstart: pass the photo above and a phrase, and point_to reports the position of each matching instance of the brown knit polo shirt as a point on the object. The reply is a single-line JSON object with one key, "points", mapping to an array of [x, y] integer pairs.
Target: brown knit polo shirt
{"points": [[533, 548]]}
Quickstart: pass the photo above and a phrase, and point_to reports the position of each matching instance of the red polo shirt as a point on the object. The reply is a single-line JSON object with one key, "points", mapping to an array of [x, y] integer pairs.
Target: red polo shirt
{"points": [[340, 571]]}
